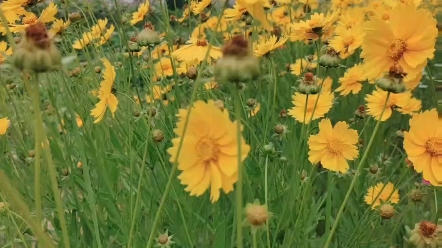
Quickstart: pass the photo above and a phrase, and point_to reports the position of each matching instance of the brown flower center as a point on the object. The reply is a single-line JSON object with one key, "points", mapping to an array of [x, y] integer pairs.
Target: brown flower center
{"points": [[334, 146], [434, 146], [201, 42], [207, 150], [396, 49], [427, 228]]}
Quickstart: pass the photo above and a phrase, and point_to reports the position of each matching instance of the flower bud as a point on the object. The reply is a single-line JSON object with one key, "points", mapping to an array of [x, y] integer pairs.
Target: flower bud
{"points": [[256, 214], [238, 63], [158, 135], [148, 37], [374, 169], [73, 17], [251, 102], [269, 148], [330, 58], [308, 84], [416, 195], [387, 211], [3, 207], [279, 129], [97, 69], [360, 112], [132, 46]]}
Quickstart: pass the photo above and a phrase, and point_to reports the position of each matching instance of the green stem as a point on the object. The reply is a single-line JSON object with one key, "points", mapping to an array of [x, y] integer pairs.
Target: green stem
{"points": [[39, 128], [353, 182], [239, 199], [255, 242], [266, 188], [37, 164], [328, 206]]}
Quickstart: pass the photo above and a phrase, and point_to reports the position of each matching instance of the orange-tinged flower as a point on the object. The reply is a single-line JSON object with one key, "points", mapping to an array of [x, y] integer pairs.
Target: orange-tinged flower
{"points": [[386, 44], [333, 146], [107, 98], [352, 80], [376, 102], [383, 192], [300, 110], [209, 155], [423, 145], [13, 10], [4, 124], [139, 15]]}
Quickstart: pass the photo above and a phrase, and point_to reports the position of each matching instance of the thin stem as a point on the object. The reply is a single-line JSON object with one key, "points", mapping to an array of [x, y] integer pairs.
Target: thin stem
{"points": [[255, 242], [39, 128], [328, 206], [353, 182], [266, 188], [239, 199]]}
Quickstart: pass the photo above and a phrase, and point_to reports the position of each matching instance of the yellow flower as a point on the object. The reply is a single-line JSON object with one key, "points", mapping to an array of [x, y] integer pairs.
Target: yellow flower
{"points": [[107, 35], [235, 13], [4, 124], [46, 16], [347, 41], [107, 98], [96, 32], [302, 65], [386, 194], [376, 101], [158, 93], [187, 10], [386, 44], [138, 15], [423, 145], [352, 80], [164, 67], [200, 6], [254, 110], [4, 51], [283, 15], [351, 18], [394, 3], [299, 109], [211, 85], [197, 49], [309, 4], [333, 146], [184, 66], [13, 9], [209, 155], [161, 50], [266, 46], [256, 10], [212, 22], [317, 25], [59, 26]]}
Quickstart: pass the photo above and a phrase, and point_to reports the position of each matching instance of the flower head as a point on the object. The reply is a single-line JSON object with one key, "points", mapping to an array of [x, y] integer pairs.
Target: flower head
{"points": [[352, 80], [209, 154], [423, 144], [304, 107], [4, 124], [347, 41], [197, 49], [381, 193], [164, 240], [424, 234], [138, 15], [266, 46], [333, 146]]}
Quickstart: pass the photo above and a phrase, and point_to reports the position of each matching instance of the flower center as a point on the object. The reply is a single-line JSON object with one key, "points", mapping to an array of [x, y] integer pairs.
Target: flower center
{"points": [[207, 150], [334, 146], [32, 19], [396, 49], [434, 146], [348, 41], [385, 17], [201, 42]]}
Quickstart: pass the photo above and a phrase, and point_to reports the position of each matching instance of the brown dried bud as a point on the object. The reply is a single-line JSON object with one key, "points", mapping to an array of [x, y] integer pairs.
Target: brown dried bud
{"points": [[151, 111], [158, 135], [136, 114], [17, 39], [283, 113]]}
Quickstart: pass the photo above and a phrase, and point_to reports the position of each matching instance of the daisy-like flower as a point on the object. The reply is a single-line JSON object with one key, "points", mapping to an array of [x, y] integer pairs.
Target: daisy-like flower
{"points": [[164, 240], [352, 80], [376, 101], [200, 6], [46, 16], [266, 46], [187, 9], [282, 15], [4, 51], [13, 9], [209, 155], [389, 43], [300, 109], [423, 145], [383, 192], [310, 30], [302, 65], [351, 18], [96, 32], [333, 146], [164, 67], [424, 234], [197, 49], [59, 26], [308, 5], [139, 15], [4, 124], [158, 93], [212, 24], [256, 9], [347, 41], [211, 85], [105, 94], [235, 13]]}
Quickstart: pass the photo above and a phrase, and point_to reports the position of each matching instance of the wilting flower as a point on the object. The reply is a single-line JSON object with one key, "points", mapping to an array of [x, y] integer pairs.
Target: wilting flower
{"points": [[209, 154], [383, 194], [376, 102], [138, 15], [407, 39], [105, 94], [333, 146], [4, 124], [303, 113], [257, 215], [423, 144]]}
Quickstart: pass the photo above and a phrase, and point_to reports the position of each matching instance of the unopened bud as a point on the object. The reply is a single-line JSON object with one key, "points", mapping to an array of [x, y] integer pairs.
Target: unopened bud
{"points": [[158, 135]]}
